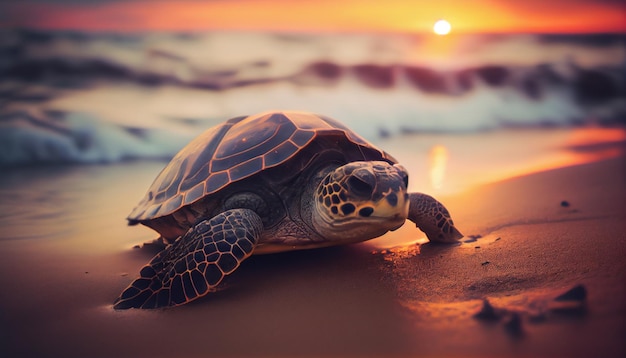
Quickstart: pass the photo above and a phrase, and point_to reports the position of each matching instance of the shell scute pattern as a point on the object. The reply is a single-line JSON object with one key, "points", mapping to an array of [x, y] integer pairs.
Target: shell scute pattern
{"points": [[350, 134], [235, 150], [280, 154], [173, 204], [245, 169], [248, 139], [150, 205], [302, 137], [152, 211], [166, 184], [216, 181], [194, 193]]}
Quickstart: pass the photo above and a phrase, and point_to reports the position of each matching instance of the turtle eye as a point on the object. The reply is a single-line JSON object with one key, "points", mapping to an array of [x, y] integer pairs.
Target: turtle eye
{"points": [[359, 187]]}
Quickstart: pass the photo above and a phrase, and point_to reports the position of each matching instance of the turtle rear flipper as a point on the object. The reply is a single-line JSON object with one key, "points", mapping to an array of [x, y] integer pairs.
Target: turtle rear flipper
{"points": [[195, 263]]}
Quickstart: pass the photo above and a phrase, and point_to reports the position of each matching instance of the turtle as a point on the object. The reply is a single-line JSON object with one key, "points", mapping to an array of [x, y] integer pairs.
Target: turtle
{"points": [[266, 183]]}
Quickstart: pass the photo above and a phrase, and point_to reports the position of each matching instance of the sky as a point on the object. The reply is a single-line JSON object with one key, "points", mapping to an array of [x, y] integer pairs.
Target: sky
{"points": [[493, 16]]}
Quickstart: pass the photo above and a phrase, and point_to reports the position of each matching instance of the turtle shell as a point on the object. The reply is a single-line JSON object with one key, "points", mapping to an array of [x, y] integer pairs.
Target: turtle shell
{"points": [[235, 150]]}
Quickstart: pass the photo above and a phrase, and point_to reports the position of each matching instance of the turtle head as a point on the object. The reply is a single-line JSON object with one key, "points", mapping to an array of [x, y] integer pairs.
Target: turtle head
{"points": [[361, 200]]}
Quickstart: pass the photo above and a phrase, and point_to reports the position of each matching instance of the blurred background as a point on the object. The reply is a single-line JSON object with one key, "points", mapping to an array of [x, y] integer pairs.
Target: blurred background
{"points": [[103, 81]]}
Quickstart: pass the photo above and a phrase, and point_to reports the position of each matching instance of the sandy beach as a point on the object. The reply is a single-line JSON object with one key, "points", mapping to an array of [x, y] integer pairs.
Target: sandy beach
{"points": [[530, 237]]}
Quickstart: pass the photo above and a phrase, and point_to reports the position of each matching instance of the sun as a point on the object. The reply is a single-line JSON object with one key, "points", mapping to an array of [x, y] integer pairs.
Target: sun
{"points": [[442, 27]]}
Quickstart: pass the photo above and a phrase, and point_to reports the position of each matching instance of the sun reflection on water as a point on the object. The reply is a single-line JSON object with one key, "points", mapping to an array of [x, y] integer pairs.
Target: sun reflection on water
{"points": [[438, 157]]}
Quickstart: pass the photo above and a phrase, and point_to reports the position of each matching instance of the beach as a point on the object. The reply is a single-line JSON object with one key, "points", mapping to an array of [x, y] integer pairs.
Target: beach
{"points": [[545, 223]]}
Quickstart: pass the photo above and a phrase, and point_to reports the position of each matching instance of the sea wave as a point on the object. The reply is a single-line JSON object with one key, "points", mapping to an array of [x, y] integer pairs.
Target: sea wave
{"points": [[91, 98]]}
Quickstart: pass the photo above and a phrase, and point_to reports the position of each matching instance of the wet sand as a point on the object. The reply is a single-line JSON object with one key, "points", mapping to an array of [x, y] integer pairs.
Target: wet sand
{"points": [[66, 254]]}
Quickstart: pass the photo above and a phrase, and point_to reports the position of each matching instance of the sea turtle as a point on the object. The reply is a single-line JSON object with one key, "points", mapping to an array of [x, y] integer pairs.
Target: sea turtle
{"points": [[265, 183]]}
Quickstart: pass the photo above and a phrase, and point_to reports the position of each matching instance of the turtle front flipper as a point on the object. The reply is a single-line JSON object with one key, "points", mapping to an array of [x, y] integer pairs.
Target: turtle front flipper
{"points": [[430, 216], [196, 262]]}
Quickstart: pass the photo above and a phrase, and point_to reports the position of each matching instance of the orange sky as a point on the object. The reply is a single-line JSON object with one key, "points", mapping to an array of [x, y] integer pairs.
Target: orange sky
{"points": [[563, 16]]}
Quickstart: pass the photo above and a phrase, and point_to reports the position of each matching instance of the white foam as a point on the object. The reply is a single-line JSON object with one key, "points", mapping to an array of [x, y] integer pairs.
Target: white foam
{"points": [[81, 138]]}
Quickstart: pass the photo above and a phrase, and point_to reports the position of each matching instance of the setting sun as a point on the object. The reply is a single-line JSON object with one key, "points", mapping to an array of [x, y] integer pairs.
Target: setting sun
{"points": [[442, 27], [480, 16]]}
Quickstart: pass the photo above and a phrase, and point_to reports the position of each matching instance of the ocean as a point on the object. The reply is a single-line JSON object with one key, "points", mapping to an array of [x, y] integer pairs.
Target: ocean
{"points": [[77, 97]]}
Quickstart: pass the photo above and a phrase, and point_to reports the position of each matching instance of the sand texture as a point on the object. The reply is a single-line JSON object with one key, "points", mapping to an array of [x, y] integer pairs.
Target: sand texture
{"points": [[528, 240]]}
